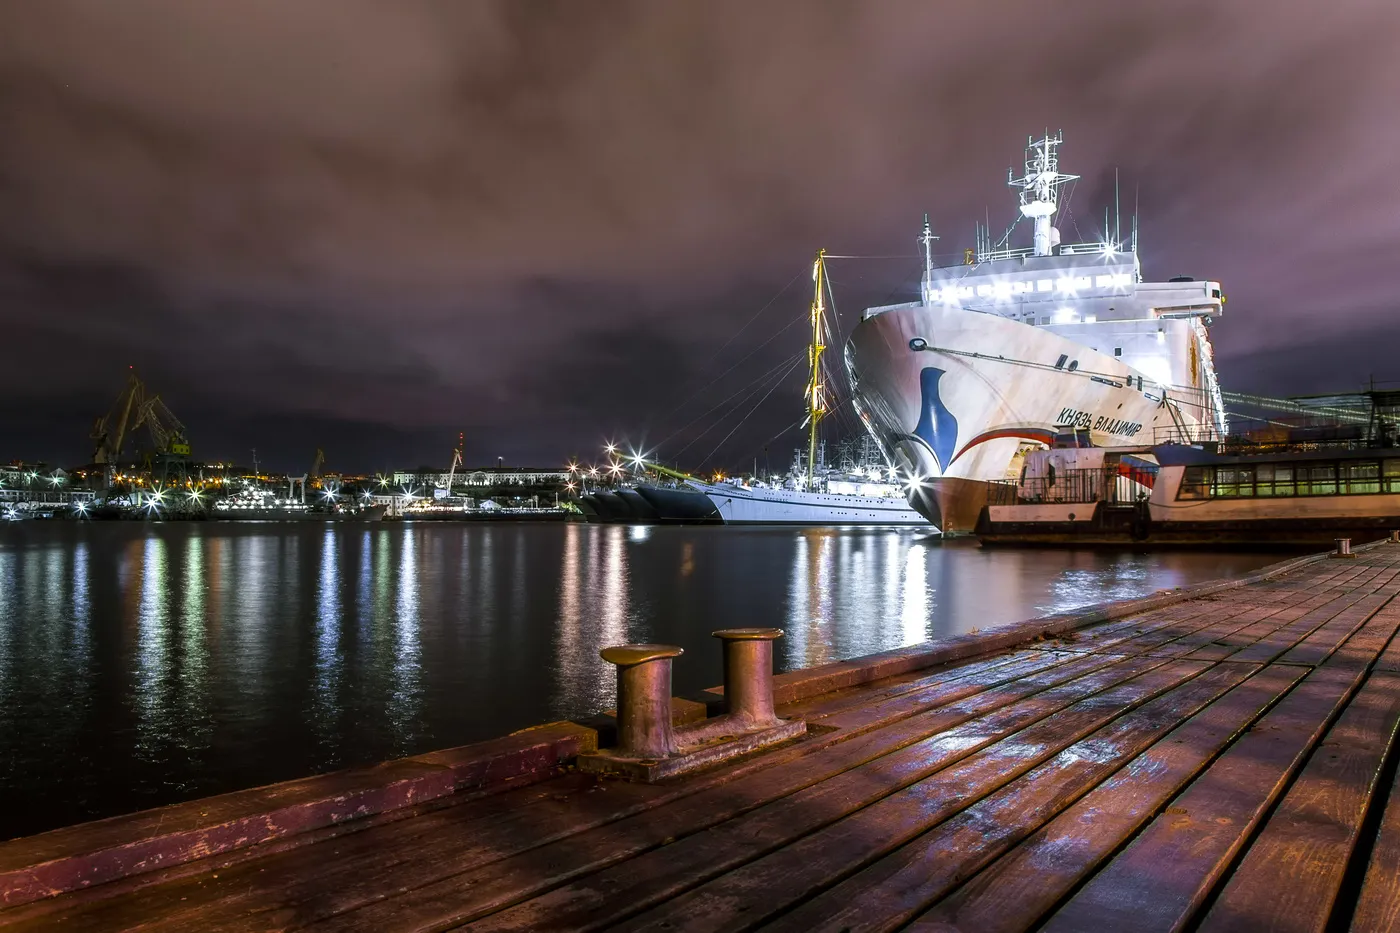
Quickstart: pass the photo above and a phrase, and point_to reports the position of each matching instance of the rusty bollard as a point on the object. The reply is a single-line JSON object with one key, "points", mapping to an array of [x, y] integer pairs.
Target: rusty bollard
{"points": [[748, 674], [1343, 547], [643, 699]]}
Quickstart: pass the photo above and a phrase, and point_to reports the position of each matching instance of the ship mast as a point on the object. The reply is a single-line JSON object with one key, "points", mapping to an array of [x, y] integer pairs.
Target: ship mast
{"points": [[1040, 189], [926, 239], [816, 401]]}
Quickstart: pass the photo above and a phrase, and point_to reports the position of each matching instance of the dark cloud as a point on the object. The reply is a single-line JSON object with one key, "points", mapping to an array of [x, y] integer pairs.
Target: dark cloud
{"points": [[527, 218]]}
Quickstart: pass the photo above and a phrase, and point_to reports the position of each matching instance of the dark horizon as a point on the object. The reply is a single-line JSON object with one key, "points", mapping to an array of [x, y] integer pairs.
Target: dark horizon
{"points": [[367, 228]]}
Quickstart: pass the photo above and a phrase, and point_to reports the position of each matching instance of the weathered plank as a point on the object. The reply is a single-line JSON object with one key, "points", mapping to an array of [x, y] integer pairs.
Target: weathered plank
{"points": [[889, 893], [654, 875], [1378, 906], [1320, 644], [1165, 873], [1292, 872], [793, 873], [1026, 883], [1270, 648]]}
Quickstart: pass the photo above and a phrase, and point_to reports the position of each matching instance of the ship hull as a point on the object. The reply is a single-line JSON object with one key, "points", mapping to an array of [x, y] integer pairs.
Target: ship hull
{"points": [[953, 394], [739, 505], [679, 506]]}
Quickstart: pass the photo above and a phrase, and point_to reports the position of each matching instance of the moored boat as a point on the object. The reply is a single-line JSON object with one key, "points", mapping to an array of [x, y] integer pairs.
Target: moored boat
{"points": [[1003, 351], [1175, 494]]}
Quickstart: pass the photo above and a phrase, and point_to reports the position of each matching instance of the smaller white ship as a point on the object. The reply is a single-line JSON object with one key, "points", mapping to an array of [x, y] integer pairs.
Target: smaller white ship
{"points": [[811, 494]]}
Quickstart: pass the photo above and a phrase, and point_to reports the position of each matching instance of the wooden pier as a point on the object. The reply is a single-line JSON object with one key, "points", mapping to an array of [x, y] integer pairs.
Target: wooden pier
{"points": [[1222, 759]]}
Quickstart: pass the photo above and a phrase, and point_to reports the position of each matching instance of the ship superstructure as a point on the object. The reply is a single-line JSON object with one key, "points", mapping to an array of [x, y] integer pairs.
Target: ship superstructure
{"points": [[1013, 345]]}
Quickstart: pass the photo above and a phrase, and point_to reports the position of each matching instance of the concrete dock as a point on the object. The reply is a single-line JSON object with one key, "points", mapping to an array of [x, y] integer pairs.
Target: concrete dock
{"points": [[1222, 758]]}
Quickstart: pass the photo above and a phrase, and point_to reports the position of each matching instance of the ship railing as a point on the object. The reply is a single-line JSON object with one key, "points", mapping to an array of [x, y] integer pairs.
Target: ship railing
{"points": [[1195, 434], [1107, 484], [1064, 249]]}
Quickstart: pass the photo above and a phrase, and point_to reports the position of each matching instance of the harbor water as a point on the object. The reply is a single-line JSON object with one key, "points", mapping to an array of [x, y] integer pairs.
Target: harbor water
{"points": [[143, 664]]}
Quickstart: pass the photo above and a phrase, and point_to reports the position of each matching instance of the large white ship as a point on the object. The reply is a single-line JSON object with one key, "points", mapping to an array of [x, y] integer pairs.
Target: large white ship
{"points": [[1012, 346]]}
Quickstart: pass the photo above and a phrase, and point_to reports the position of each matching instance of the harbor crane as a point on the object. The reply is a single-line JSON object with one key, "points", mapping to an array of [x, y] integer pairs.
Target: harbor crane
{"points": [[456, 461], [133, 410]]}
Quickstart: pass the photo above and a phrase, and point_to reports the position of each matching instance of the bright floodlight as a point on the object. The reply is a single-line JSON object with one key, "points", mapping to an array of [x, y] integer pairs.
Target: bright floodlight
{"points": [[610, 447]]}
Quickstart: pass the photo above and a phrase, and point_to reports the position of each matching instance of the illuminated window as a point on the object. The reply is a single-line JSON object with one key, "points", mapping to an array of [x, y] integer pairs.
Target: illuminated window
{"points": [[1362, 478], [1196, 483], [1390, 469]]}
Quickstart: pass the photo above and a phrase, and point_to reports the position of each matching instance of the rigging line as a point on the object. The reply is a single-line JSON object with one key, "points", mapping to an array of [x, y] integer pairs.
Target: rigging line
{"points": [[737, 364], [757, 380], [764, 445], [747, 392], [899, 285], [770, 303], [902, 256], [731, 339], [1087, 373], [835, 336], [746, 417]]}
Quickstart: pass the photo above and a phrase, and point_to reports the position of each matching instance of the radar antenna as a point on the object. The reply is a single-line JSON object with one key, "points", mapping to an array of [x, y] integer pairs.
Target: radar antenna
{"points": [[1040, 189]]}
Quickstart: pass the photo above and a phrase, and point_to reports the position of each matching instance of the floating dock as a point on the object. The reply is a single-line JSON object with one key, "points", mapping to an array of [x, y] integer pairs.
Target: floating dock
{"points": [[1221, 758]]}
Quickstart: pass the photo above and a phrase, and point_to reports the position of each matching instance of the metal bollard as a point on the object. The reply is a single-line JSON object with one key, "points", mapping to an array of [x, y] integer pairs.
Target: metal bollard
{"points": [[643, 699], [1343, 546], [748, 673], [1395, 537]]}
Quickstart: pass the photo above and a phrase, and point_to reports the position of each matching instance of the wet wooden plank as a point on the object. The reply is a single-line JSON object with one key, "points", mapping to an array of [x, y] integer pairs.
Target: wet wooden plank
{"points": [[795, 872], [654, 875], [1320, 644], [382, 863], [1272, 647], [1378, 906], [1291, 874], [1028, 881], [1162, 877], [895, 889], [1389, 661]]}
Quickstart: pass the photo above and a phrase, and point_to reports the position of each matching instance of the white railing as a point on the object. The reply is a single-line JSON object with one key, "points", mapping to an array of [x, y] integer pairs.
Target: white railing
{"points": [[1065, 249]]}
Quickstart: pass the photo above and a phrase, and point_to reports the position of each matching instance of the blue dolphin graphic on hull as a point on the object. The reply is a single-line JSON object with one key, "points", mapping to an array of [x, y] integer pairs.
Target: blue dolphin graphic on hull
{"points": [[937, 427]]}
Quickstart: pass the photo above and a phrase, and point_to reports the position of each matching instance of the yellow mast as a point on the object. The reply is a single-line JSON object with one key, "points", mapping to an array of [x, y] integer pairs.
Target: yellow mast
{"points": [[816, 402]]}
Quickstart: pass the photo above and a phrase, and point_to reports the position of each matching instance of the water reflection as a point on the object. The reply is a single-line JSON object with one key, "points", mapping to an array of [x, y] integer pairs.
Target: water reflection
{"points": [[914, 612], [403, 703], [593, 613], [142, 664], [152, 660], [328, 621]]}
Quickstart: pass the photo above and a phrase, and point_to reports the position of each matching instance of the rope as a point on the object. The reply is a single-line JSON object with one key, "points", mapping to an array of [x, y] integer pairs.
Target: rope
{"points": [[747, 391], [736, 427], [715, 355]]}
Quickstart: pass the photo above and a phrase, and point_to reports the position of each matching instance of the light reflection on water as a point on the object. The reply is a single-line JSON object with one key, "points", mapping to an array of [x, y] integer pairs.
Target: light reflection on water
{"points": [[145, 664]]}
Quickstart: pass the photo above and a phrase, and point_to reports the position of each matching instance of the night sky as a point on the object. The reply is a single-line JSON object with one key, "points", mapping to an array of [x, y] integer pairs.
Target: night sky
{"points": [[366, 226]]}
